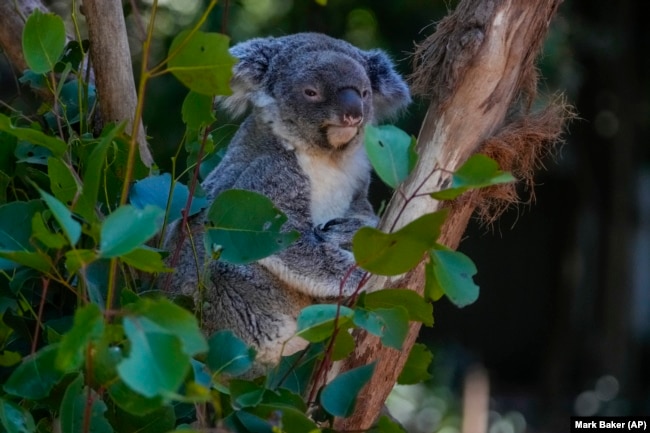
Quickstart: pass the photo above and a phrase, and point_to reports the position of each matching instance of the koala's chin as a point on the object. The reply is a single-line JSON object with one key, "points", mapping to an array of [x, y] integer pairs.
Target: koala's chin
{"points": [[338, 136]]}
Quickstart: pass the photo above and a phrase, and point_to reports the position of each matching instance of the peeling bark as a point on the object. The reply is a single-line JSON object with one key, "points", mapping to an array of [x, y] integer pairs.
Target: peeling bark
{"points": [[478, 70]]}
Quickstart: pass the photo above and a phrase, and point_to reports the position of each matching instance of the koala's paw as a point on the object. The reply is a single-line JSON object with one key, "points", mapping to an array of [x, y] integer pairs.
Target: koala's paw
{"points": [[339, 231]]}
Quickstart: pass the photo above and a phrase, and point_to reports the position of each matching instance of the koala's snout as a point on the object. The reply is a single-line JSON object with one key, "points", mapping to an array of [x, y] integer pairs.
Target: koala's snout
{"points": [[351, 107]]}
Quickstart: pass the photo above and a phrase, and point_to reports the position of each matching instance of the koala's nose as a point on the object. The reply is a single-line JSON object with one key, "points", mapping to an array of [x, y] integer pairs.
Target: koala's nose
{"points": [[351, 106]]}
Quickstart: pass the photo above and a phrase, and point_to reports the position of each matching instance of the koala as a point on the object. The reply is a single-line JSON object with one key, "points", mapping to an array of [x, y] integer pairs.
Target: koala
{"points": [[309, 98]]}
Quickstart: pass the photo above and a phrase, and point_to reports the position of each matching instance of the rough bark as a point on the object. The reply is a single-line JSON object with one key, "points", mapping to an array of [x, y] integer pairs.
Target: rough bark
{"points": [[111, 59], [478, 70]]}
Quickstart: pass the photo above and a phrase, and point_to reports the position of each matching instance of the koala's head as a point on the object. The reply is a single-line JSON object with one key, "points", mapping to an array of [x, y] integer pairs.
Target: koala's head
{"points": [[314, 90]]}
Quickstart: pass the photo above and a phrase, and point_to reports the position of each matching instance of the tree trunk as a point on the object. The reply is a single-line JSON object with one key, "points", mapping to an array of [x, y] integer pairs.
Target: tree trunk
{"points": [[111, 58], [478, 69]]}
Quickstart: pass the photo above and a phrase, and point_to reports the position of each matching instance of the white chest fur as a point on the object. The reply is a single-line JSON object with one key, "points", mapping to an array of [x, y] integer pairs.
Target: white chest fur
{"points": [[333, 182]]}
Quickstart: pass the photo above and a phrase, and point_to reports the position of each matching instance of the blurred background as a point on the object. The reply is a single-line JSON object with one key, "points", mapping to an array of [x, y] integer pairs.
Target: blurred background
{"points": [[562, 325]]}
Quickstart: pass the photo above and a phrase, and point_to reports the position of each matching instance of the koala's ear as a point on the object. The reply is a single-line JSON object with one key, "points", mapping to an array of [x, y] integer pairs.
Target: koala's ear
{"points": [[253, 61], [390, 91]]}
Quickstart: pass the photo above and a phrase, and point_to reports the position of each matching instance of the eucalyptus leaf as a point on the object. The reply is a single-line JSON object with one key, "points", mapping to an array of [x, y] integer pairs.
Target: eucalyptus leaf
{"points": [[416, 369], [63, 184], [15, 419], [132, 402], [398, 252], [202, 62], [454, 271], [74, 410], [128, 228], [95, 163], [418, 309], [339, 396], [63, 216], [317, 322], [43, 234], [35, 377], [228, 355], [155, 190], [15, 228], [244, 393], [43, 41], [88, 326], [197, 110], [146, 259], [389, 151], [144, 370], [246, 227], [477, 172], [174, 320], [33, 136]]}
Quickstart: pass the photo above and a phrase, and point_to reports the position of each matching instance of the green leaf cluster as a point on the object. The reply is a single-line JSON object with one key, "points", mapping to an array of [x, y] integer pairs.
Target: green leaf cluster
{"points": [[86, 340]]}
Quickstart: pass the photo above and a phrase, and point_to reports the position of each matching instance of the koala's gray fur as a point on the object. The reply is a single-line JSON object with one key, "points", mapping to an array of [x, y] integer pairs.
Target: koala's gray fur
{"points": [[302, 147]]}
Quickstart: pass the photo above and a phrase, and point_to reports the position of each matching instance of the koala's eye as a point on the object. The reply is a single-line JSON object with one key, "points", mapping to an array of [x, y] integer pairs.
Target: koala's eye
{"points": [[365, 94], [310, 93]]}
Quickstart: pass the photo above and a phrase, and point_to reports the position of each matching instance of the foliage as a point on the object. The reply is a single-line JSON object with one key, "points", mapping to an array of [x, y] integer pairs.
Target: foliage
{"points": [[88, 342]]}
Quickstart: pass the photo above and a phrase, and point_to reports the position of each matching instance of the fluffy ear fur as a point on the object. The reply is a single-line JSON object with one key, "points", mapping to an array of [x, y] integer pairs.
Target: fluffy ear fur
{"points": [[257, 57], [254, 58], [390, 92]]}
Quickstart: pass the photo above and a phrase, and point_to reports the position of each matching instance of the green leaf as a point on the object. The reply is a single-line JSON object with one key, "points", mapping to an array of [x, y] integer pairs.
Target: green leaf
{"points": [[15, 419], [174, 320], [160, 420], [398, 252], [128, 228], [36, 376], [132, 402], [417, 366], [37, 261], [15, 228], [33, 136], [146, 259], [43, 41], [478, 171], [294, 372], [390, 324], [454, 271], [228, 355], [201, 62], [197, 110], [419, 310], [43, 234], [154, 190], [74, 410], [9, 358], [339, 396], [244, 393], [291, 419], [85, 206], [63, 216], [389, 151], [88, 326], [145, 370], [432, 289], [387, 425], [246, 227], [76, 259], [63, 184], [343, 345], [316, 322]]}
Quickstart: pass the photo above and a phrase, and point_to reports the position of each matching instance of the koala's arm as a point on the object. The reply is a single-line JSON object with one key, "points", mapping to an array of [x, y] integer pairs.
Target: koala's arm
{"points": [[311, 265]]}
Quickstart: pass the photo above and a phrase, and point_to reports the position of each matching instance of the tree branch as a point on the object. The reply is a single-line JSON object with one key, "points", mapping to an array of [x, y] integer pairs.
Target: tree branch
{"points": [[476, 67]]}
